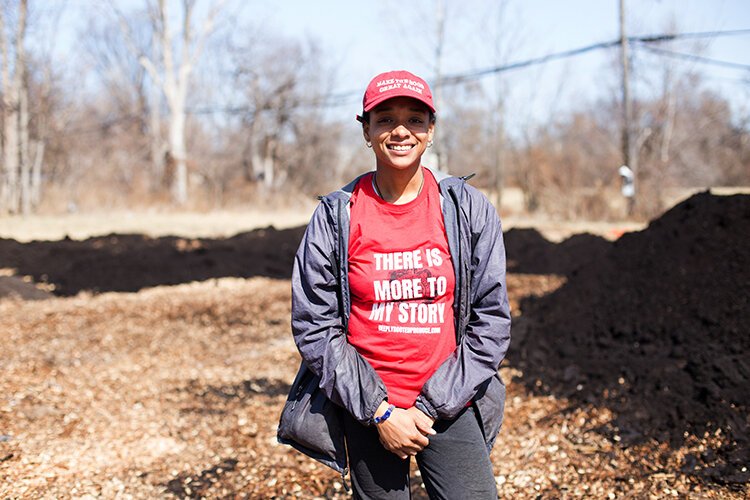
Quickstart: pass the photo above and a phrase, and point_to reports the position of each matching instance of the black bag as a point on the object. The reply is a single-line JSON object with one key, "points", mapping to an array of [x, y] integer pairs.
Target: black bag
{"points": [[311, 423]]}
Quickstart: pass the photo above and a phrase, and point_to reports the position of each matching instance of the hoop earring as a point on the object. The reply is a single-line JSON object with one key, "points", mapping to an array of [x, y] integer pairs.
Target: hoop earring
{"points": [[429, 144], [369, 144]]}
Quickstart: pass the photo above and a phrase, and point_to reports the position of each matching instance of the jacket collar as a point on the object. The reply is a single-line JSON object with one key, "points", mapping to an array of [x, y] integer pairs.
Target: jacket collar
{"points": [[344, 193]]}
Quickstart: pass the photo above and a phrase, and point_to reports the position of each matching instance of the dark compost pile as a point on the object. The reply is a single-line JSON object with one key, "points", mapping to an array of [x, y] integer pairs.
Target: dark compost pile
{"points": [[656, 328]]}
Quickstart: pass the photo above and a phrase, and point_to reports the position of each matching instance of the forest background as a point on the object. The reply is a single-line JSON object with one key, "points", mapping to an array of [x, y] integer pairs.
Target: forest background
{"points": [[202, 106]]}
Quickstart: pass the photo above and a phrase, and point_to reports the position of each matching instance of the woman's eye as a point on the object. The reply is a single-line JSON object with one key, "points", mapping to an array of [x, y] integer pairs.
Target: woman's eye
{"points": [[384, 120]]}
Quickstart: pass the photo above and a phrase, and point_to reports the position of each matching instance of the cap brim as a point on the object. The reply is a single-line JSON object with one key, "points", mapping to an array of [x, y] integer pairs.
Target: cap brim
{"points": [[384, 98]]}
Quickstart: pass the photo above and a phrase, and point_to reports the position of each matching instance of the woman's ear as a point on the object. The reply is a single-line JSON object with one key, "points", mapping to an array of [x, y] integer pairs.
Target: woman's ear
{"points": [[431, 131], [366, 131]]}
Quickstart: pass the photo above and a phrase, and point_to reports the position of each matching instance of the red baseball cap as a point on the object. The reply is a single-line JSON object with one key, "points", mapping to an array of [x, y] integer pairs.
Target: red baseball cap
{"points": [[396, 84]]}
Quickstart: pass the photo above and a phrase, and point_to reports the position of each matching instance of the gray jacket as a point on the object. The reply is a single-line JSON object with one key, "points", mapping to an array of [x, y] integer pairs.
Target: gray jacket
{"points": [[334, 377]]}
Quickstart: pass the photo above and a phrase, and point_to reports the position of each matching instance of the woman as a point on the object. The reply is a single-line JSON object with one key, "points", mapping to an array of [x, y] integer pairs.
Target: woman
{"points": [[400, 313]]}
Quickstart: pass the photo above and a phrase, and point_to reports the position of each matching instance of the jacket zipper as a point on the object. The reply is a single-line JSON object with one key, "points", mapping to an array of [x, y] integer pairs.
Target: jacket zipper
{"points": [[462, 269]]}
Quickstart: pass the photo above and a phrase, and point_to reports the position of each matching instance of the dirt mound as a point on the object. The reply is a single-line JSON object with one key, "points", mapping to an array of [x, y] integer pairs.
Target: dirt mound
{"points": [[657, 329], [530, 253], [128, 263]]}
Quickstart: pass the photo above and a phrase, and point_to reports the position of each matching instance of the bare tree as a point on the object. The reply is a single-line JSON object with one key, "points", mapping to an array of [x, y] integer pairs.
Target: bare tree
{"points": [[16, 182], [129, 92], [23, 129], [502, 36], [170, 66], [283, 84]]}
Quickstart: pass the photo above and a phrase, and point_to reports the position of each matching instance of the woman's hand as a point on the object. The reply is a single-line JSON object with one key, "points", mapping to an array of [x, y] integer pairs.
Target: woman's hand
{"points": [[405, 431], [423, 421]]}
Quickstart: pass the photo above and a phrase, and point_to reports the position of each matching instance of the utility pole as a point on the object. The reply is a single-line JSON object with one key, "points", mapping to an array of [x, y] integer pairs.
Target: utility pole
{"points": [[499, 114], [629, 151], [437, 88]]}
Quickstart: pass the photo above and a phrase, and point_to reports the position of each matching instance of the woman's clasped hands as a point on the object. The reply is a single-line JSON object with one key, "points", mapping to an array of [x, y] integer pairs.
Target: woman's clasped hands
{"points": [[405, 432]]}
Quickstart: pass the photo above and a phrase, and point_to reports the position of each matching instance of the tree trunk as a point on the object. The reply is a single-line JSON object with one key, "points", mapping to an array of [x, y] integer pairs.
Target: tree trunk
{"points": [[177, 149], [10, 195], [249, 155], [10, 151], [269, 164], [154, 129], [442, 163], [6, 172], [36, 175], [23, 136], [499, 151]]}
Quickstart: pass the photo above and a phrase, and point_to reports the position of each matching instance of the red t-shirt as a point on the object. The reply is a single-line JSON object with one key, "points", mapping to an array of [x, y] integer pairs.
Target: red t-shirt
{"points": [[402, 283]]}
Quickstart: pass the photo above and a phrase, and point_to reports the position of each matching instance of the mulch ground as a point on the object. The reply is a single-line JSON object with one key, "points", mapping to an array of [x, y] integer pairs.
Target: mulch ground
{"points": [[171, 381]]}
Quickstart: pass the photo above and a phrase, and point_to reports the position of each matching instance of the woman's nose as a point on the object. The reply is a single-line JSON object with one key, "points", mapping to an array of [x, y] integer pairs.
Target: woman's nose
{"points": [[400, 131]]}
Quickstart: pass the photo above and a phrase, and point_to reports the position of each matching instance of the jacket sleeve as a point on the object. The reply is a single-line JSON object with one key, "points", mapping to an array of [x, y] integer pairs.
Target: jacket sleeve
{"points": [[487, 336], [346, 377]]}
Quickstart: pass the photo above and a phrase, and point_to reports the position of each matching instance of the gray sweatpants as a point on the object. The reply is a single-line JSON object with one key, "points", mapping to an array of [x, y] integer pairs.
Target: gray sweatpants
{"points": [[455, 465]]}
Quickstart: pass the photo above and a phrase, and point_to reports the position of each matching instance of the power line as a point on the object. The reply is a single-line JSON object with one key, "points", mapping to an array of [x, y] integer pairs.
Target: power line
{"points": [[696, 58], [695, 34], [459, 78], [643, 41], [328, 101], [347, 97], [462, 77]]}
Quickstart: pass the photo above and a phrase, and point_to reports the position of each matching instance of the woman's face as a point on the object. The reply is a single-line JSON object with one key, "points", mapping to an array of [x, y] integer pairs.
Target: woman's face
{"points": [[399, 130]]}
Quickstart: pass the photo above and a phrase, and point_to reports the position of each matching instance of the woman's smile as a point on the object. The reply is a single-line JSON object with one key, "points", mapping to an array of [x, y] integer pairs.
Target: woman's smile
{"points": [[400, 147]]}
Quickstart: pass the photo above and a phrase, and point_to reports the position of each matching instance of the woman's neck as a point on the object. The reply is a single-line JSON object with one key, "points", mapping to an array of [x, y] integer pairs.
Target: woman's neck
{"points": [[398, 186]]}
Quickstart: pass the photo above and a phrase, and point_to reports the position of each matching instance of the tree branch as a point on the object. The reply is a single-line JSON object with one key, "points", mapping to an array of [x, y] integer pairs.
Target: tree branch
{"points": [[206, 30], [152, 71], [127, 33]]}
